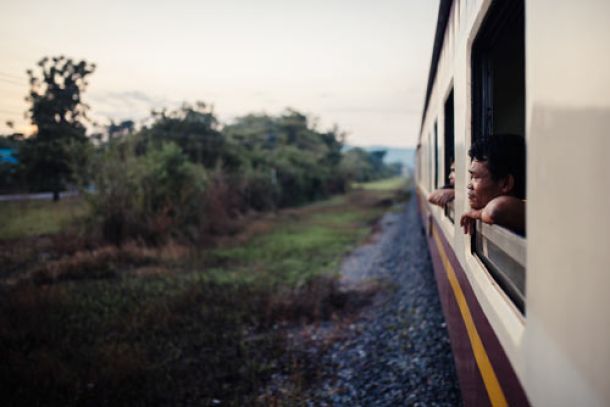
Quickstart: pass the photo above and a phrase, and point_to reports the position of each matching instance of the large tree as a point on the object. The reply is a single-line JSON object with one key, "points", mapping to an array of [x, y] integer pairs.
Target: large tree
{"points": [[52, 154]]}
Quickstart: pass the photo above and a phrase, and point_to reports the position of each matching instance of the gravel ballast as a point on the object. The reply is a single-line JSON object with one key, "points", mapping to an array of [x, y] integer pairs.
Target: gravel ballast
{"points": [[397, 352]]}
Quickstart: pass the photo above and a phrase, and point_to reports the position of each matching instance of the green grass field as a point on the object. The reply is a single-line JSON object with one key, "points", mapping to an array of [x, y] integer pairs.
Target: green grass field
{"points": [[35, 218], [299, 247]]}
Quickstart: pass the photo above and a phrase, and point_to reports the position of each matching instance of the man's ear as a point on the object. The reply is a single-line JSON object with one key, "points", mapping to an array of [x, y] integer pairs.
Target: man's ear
{"points": [[508, 184]]}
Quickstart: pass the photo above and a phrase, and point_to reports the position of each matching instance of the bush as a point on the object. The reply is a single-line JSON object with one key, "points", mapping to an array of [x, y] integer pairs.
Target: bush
{"points": [[222, 204], [153, 196], [260, 189]]}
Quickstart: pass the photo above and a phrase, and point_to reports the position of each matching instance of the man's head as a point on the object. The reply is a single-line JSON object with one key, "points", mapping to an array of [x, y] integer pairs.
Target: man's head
{"points": [[497, 168]]}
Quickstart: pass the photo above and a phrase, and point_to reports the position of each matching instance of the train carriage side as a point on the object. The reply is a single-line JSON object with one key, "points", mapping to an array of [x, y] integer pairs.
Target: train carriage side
{"points": [[529, 316]]}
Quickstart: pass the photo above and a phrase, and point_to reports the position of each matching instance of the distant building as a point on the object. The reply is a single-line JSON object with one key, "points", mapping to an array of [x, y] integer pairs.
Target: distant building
{"points": [[7, 156]]}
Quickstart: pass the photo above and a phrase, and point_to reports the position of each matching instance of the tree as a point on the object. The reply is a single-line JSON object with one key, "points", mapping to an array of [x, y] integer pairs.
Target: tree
{"points": [[359, 165], [301, 162], [195, 129], [120, 129], [59, 145]]}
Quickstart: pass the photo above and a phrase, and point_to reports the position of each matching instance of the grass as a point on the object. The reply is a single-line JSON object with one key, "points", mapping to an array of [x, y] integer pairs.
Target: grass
{"points": [[136, 325], [303, 244], [35, 218]]}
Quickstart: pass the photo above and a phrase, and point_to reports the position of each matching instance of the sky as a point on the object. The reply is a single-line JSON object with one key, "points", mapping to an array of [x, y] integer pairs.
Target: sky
{"points": [[359, 64]]}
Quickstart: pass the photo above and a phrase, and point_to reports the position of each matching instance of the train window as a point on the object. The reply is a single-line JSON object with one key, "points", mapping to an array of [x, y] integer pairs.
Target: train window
{"points": [[449, 152], [435, 186], [431, 161], [498, 106], [499, 72]]}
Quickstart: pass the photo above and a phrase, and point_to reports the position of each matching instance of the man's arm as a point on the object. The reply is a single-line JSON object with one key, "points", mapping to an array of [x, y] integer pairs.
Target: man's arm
{"points": [[506, 211], [441, 197]]}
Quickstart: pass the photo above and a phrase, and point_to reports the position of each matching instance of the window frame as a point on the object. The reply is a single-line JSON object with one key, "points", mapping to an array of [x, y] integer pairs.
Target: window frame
{"points": [[510, 258], [449, 147]]}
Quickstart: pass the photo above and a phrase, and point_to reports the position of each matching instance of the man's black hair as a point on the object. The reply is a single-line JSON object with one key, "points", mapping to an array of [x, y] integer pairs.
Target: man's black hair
{"points": [[504, 155]]}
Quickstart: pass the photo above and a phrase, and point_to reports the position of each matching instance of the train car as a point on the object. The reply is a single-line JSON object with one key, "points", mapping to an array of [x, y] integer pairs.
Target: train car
{"points": [[528, 315]]}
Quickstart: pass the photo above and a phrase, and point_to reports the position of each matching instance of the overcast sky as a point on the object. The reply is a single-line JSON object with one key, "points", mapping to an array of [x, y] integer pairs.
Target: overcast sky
{"points": [[359, 64]]}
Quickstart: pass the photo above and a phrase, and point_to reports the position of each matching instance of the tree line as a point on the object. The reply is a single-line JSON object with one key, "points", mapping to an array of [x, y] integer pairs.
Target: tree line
{"points": [[185, 173]]}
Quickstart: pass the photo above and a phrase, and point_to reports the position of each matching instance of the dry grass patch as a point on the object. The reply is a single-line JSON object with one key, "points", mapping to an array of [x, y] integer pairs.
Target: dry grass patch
{"points": [[104, 262]]}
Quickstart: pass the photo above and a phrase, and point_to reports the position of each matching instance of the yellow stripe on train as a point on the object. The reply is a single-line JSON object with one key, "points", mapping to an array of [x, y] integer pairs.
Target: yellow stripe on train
{"points": [[492, 385]]}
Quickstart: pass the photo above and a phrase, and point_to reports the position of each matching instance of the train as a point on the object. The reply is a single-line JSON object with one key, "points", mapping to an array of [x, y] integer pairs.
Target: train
{"points": [[528, 313]]}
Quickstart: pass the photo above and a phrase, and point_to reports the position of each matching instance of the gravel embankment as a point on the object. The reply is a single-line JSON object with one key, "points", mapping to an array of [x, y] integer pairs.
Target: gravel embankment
{"points": [[398, 352]]}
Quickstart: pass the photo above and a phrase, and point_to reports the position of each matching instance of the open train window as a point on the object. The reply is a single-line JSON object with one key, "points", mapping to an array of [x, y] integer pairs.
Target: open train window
{"points": [[498, 106], [449, 152]]}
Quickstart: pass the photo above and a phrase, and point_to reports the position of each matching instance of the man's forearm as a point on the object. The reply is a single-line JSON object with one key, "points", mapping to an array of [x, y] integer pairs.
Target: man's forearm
{"points": [[505, 211]]}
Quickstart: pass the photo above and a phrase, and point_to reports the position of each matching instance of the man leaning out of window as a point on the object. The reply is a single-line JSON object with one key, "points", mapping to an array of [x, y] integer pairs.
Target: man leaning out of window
{"points": [[445, 194], [496, 191]]}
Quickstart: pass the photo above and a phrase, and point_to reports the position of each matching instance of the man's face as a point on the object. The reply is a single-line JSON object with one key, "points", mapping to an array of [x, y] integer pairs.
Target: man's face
{"points": [[482, 188]]}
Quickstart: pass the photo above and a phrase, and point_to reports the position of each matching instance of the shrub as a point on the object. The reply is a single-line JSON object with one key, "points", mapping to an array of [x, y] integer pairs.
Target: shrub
{"points": [[153, 196], [222, 204], [259, 188]]}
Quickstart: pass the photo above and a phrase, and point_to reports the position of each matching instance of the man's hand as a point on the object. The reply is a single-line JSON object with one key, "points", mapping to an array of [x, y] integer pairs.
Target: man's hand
{"points": [[468, 219], [441, 197]]}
